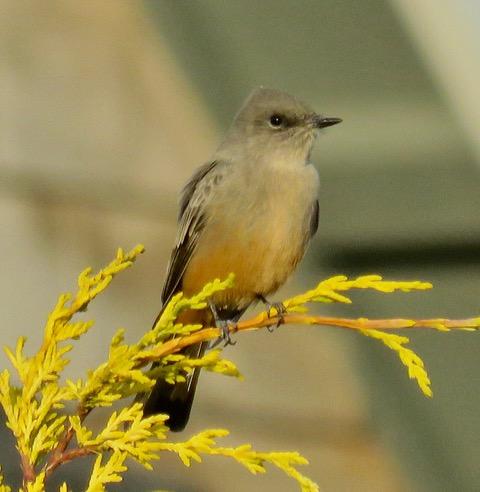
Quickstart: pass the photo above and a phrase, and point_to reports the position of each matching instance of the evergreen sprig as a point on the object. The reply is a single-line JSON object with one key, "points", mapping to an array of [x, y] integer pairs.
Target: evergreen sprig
{"points": [[46, 437]]}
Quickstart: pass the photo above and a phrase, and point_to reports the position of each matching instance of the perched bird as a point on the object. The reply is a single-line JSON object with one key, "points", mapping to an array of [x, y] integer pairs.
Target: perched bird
{"points": [[250, 210]]}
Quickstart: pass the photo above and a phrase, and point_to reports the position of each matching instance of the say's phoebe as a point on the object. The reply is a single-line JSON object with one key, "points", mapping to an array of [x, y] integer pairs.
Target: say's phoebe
{"points": [[251, 210]]}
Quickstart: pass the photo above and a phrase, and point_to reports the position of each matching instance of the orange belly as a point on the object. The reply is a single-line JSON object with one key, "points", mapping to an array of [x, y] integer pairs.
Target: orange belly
{"points": [[261, 258]]}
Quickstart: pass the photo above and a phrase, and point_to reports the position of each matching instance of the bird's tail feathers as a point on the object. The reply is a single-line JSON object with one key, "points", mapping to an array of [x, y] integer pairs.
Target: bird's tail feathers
{"points": [[175, 399]]}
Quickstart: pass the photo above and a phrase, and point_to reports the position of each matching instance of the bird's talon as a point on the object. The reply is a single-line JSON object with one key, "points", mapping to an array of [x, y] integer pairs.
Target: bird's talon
{"points": [[279, 308], [280, 311], [225, 328], [280, 321]]}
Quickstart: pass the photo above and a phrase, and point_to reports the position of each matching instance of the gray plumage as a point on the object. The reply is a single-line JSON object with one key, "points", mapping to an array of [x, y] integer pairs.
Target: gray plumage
{"points": [[251, 210]]}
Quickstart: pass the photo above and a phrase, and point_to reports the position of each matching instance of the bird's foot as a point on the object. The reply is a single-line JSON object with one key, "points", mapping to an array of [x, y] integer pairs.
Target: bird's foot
{"points": [[274, 310], [226, 327]]}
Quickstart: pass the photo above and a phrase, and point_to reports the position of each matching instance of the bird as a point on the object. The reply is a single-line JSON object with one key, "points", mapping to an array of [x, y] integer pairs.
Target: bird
{"points": [[251, 210]]}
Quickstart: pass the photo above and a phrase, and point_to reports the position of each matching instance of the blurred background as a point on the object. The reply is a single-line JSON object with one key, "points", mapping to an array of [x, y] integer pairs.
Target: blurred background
{"points": [[105, 110]]}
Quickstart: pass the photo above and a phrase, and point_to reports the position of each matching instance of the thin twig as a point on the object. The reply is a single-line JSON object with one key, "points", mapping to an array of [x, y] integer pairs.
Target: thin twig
{"points": [[60, 454], [65, 457], [262, 320], [28, 470]]}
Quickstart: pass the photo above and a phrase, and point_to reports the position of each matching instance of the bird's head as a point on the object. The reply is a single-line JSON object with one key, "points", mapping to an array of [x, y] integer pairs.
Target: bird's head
{"points": [[272, 121]]}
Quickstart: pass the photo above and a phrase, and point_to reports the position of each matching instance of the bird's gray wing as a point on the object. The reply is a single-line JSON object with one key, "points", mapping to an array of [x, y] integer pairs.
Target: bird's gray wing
{"points": [[191, 221], [176, 400]]}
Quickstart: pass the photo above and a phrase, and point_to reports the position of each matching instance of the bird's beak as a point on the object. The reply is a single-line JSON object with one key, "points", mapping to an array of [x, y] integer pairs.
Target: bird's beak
{"points": [[324, 121]]}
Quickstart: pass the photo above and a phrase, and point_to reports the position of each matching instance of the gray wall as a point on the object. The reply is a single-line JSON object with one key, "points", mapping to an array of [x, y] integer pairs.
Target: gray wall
{"points": [[107, 107]]}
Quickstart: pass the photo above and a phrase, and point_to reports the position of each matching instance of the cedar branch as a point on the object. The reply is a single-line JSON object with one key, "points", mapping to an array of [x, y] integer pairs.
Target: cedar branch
{"points": [[60, 454], [263, 320]]}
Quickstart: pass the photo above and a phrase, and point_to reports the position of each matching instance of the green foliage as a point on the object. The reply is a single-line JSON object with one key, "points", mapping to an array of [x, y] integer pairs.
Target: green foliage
{"points": [[329, 290], [253, 461], [46, 437], [414, 364], [43, 435]]}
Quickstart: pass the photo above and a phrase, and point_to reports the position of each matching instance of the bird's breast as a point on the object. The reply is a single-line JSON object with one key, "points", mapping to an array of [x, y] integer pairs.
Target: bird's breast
{"points": [[258, 230]]}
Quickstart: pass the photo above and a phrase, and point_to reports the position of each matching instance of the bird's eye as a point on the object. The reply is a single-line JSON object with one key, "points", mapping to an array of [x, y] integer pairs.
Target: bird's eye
{"points": [[276, 121]]}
